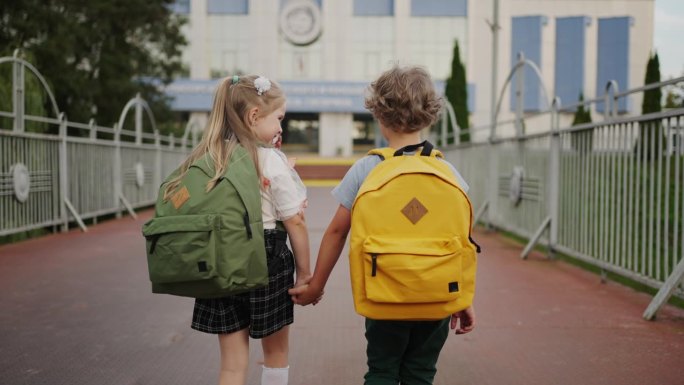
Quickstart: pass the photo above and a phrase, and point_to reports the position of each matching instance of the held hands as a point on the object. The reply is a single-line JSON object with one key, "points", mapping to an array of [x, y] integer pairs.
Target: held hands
{"points": [[467, 319], [305, 294], [302, 279]]}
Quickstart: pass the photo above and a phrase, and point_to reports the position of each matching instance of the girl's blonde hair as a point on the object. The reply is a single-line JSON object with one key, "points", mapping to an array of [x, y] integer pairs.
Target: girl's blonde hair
{"points": [[229, 125], [404, 99]]}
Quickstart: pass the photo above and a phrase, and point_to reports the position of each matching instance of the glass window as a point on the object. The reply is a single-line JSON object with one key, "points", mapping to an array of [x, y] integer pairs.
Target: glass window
{"points": [[228, 7], [373, 7], [526, 37], [569, 61], [181, 7], [613, 57], [437, 8]]}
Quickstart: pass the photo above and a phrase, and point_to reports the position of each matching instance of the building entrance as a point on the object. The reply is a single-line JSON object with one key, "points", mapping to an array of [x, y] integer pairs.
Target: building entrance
{"points": [[300, 132], [366, 134]]}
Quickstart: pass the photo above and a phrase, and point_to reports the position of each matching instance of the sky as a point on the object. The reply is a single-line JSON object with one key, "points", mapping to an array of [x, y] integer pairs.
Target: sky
{"points": [[669, 31]]}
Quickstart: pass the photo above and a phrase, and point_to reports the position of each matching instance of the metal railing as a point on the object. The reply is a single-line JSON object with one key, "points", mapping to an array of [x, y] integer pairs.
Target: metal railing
{"points": [[53, 180], [608, 193]]}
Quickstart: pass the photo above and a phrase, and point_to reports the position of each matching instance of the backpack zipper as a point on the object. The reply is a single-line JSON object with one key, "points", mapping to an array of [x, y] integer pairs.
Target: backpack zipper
{"points": [[374, 268]]}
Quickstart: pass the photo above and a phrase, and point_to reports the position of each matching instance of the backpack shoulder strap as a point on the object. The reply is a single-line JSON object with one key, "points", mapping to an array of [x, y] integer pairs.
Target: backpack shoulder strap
{"points": [[383, 153], [388, 152]]}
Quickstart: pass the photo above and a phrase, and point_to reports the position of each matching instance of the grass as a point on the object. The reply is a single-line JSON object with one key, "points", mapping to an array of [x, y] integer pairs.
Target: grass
{"points": [[18, 237]]}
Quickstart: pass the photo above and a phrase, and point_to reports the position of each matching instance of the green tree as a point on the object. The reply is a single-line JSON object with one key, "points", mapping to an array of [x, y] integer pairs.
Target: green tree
{"points": [[651, 130], [582, 114], [582, 141], [673, 98], [36, 101], [98, 54], [652, 98], [456, 93]]}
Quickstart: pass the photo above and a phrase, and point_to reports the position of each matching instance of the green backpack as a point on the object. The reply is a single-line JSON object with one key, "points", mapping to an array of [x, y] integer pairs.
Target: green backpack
{"points": [[208, 244]]}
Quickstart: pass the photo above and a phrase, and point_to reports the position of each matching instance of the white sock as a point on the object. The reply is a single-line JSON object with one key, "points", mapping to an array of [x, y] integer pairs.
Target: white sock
{"points": [[274, 376]]}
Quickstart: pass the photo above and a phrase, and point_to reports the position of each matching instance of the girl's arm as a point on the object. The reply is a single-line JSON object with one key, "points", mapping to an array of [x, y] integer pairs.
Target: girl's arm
{"points": [[288, 194], [331, 247], [299, 239]]}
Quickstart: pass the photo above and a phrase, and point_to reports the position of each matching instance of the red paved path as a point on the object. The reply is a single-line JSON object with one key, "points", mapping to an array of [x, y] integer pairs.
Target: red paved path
{"points": [[77, 309]]}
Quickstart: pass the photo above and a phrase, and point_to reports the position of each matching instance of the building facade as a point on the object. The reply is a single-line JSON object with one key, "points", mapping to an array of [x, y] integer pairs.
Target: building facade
{"points": [[326, 52]]}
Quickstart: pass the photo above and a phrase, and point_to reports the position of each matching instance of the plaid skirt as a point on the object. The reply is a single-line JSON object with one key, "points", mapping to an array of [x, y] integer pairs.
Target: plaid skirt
{"points": [[264, 310]]}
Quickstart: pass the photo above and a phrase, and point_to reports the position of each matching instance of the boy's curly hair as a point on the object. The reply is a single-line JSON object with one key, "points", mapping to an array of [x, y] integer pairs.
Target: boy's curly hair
{"points": [[404, 99]]}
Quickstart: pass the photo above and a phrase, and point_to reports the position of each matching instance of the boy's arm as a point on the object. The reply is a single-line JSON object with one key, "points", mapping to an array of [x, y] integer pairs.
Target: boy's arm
{"points": [[299, 239], [331, 247]]}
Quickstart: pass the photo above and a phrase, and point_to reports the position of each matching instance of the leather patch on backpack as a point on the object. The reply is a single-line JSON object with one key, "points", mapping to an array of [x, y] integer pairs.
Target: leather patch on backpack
{"points": [[180, 197], [414, 210], [453, 287]]}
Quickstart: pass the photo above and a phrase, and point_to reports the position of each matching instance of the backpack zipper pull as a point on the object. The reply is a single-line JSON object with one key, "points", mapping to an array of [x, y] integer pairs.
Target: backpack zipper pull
{"points": [[153, 243], [249, 229], [374, 268], [477, 247]]}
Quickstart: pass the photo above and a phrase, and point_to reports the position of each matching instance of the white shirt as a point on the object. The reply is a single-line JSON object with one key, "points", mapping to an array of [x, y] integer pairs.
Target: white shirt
{"points": [[284, 193]]}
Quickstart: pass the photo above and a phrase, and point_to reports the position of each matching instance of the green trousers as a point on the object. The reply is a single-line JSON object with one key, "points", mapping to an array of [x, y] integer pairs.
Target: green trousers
{"points": [[404, 352]]}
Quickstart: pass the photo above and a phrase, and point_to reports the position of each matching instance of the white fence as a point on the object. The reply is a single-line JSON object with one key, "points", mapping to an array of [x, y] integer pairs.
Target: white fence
{"points": [[607, 193], [53, 180]]}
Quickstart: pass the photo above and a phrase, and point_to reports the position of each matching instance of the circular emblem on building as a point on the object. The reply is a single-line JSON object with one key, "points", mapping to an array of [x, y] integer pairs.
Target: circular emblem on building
{"points": [[515, 186], [21, 181], [300, 21], [139, 174]]}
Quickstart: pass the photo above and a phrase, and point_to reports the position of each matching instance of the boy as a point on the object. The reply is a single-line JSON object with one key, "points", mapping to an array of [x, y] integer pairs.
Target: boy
{"points": [[404, 102]]}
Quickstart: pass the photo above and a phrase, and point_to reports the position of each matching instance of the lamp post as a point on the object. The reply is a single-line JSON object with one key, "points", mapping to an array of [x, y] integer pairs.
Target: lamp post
{"points": [[493, 166]]}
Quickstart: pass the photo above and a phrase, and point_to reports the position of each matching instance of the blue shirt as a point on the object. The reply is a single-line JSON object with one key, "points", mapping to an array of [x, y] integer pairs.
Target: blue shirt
{"points": [[346, 191]]}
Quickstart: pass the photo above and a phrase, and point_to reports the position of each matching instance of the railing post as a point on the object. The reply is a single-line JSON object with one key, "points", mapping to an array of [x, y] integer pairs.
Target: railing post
{"points": [[610, 109], [156, 179], [18, 94], [63, 173], [554, 176], [452, 117], [519, 95], [494, 86], [118, 182], [195, 135], [93, 130], [614, 109], [138, 119], [444, 127], [493, 183]]}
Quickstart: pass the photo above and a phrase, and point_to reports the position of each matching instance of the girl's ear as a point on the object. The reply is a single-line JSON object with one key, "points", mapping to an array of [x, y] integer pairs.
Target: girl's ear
{"points": [[253, 115]]}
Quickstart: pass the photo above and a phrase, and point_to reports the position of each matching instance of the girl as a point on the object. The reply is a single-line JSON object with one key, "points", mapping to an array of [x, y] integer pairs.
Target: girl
{"points": [[247, 111]]}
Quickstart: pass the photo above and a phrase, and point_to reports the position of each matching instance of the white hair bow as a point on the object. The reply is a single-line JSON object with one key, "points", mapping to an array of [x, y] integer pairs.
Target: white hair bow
{"points": [[262, 85]]}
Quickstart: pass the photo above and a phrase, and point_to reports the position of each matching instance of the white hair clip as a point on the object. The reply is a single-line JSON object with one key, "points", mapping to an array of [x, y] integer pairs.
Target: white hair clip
{"points": [[262, 85]]}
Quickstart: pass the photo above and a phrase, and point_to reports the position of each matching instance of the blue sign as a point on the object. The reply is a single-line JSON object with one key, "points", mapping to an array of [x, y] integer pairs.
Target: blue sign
{"points": [[302, 96]]}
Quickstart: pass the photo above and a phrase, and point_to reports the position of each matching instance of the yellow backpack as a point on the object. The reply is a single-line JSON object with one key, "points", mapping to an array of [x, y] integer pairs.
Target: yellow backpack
{"points": [[411, 257]]}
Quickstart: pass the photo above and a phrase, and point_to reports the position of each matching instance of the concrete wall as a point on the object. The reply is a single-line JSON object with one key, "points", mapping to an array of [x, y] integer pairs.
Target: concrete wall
{"points": [[641, 44], [358, 48]]}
